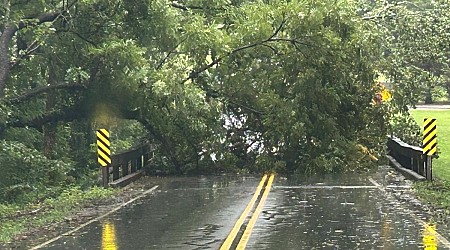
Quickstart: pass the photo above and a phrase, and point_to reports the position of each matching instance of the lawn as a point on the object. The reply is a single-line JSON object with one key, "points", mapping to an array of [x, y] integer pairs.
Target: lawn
{"points": [[441, 166]]}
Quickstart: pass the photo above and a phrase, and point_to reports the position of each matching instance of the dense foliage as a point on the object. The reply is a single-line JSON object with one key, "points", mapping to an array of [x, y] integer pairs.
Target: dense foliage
{"points": [[227, 85], [415, 48]]}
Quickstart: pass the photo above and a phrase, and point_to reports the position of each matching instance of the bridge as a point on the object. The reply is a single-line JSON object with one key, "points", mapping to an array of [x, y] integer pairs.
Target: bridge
{"points": [[368, 210]]}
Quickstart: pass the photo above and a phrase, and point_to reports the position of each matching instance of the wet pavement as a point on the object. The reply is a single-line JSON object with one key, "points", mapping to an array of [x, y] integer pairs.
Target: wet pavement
{"points": [[185, 213], [374, 210], [433, 107]]}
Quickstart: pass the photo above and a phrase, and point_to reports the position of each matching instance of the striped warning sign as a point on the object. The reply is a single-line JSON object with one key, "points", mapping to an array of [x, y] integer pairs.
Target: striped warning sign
{"points": [[103, 145], [429, 136]]}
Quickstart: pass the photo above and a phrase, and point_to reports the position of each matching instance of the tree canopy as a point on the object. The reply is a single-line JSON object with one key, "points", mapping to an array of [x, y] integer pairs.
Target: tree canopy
{"points": [[227, 85], [415, 49]]}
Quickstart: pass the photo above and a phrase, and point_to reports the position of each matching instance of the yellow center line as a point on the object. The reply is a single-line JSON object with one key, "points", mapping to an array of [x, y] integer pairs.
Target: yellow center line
{"points": [[248, 230], [229, 241]]}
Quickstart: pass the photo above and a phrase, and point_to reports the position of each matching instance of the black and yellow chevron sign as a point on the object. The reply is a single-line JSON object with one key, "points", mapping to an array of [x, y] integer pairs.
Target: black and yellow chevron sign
{"points": [[429, 136], [103, 145]]}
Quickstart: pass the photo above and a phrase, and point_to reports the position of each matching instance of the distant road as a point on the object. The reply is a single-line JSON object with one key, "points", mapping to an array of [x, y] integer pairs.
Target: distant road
{"points": [[432, 107]]}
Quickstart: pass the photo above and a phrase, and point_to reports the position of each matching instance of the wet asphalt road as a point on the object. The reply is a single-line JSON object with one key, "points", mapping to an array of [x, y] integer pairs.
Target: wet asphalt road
{"points": [[353, 211]]}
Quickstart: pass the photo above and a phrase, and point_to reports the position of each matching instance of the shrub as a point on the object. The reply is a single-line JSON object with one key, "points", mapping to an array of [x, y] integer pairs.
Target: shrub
{"points": [[405, 128], [26, 172]]}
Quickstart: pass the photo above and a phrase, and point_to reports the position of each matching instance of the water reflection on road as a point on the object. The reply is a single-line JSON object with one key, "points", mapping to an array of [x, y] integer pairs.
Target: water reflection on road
{"points": [[328, 212], [348, 219], [339, 213], [185, 213]]}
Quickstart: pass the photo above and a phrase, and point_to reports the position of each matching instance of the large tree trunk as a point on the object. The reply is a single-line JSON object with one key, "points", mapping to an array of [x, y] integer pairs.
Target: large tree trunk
{"points": [[5, 38], [7, 35], [5, 67], [50, 128], [428, 96]]}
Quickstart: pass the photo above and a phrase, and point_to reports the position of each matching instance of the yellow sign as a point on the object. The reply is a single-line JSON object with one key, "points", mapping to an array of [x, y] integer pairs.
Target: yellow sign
{"points": [[385, 94], [103, 147], [429, 136], [381, 88], [382, 95]]}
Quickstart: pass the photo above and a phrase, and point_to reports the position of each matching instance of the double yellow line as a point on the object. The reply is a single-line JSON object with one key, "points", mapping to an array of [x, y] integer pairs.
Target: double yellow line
{"points": [[248, 230]]}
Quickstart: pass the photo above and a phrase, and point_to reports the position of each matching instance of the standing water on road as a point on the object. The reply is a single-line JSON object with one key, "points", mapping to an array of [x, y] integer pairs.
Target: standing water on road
{"points": [[348, 211], [343, 212], [185, 213]]}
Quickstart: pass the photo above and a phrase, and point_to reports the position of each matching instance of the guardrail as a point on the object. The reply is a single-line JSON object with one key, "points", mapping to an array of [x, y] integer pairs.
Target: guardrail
{"points": [[127, 166], [409, 159]]}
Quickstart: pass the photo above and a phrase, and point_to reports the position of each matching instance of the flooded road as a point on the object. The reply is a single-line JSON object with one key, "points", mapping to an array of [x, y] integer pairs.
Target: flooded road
{"points": [[352, 211], [184, 213]]}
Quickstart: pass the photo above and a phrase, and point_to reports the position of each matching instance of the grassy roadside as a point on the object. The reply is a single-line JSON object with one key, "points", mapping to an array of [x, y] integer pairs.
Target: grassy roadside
{"points": [[441, 166], [438, 191], [18, 219]]}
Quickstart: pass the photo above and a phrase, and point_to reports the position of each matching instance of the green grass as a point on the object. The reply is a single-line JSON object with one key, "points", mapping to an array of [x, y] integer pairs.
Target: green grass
{"points": [[441, 166], [437, 192], [51, 210]]}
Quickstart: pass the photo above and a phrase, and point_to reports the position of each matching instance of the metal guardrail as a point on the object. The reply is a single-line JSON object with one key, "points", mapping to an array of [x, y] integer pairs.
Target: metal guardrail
{"points": [[410, 157], [127, 166]]}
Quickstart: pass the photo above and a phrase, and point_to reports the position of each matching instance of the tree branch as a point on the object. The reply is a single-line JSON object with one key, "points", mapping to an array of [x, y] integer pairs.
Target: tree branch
{"points": [[177, 5], [182, 7], [272, 48], [368, 18], [11, 29], [38, 91], [30, 50], [291, 40], [195, 73], [83, 38], [168, 54], [32, 22], [167, 145], [246, 107], [67, 114]]}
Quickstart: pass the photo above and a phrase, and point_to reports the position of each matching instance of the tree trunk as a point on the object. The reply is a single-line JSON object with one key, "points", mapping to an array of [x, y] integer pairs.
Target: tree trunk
{"points": [[5, 67], [50, 128], [447, 85], [7, 35], [4, 42], [428, 97]]}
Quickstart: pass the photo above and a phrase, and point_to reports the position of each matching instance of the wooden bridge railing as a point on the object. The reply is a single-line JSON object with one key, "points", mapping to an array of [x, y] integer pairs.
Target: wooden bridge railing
{"points": [[127, 166], [410, 157]]}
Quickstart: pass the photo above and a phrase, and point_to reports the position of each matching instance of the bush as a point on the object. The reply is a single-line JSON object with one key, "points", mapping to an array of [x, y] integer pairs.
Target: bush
{"points": [[27, 174], [405, 128], [439, 94]]}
